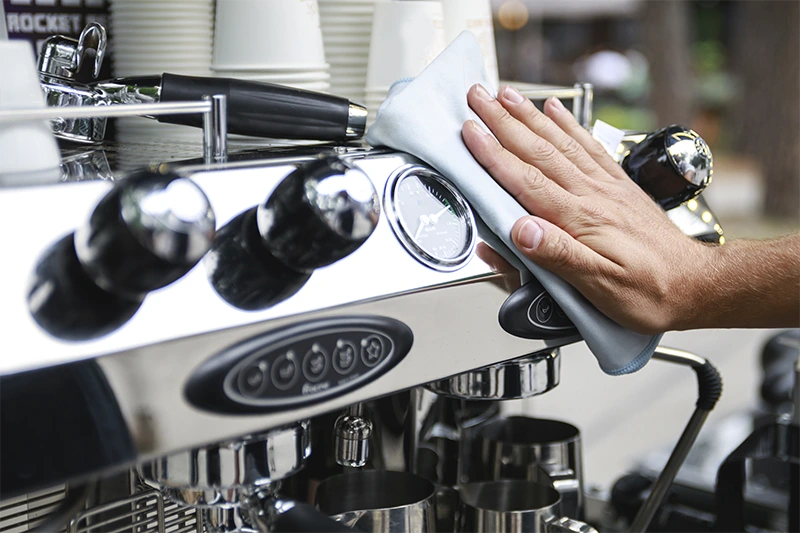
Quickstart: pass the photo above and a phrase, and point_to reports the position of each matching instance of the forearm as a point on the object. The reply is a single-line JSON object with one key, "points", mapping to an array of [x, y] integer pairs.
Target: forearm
{"points": [[747, 284]]}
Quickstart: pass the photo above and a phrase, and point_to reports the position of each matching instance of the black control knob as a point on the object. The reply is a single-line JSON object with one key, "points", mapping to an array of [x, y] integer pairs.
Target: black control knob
{"points": [[318, 214], [150, 230], [673, 165]]}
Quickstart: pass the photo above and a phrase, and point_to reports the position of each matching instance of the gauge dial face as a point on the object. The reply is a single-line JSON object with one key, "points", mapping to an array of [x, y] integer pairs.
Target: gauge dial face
{"points": [[432, 219]]}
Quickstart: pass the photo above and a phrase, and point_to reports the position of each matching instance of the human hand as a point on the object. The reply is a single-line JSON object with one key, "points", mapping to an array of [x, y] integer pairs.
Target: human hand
{"points": [[590, 223]]}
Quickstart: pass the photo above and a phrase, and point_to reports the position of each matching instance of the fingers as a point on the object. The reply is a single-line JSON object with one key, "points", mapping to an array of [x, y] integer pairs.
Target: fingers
{"points": [[551, 247], [561, 117], [526, 144], [535, 192], [571, 144]]}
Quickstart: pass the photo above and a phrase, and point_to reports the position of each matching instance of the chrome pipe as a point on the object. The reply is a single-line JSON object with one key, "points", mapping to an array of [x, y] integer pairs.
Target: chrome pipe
{"points": [[105, 111]]}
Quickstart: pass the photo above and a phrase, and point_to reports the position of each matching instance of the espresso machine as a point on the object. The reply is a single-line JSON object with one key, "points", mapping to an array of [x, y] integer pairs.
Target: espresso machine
{"points": [[288, 337]]}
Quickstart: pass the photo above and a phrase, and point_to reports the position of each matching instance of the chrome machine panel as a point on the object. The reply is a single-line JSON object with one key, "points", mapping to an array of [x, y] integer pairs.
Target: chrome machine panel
{"points": [[148, 361]]}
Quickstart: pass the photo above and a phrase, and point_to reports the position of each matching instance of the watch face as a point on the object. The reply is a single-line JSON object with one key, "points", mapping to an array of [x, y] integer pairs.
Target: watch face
{"points": [[431, 218]]}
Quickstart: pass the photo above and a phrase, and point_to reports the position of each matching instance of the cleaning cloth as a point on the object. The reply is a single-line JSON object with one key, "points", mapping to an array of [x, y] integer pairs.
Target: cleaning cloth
{"points": [[424, 117]]}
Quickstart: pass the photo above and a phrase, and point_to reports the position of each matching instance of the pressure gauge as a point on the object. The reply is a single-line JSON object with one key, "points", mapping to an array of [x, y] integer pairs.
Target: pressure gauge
{"points": [[430, 218]]}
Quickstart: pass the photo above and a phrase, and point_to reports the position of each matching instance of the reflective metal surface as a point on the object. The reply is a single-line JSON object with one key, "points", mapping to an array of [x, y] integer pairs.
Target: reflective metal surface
{"points": [[356, 121], [691, 156], [351, 440], [121, 91], [60, 61], [379, 501], [517, 447], [190, 306], [216, 476], [60, 93], [174, 221], [63, 57], [521, 378], [347, 202], [673, 165], [415, 199], [696, 219], [513, 507]]}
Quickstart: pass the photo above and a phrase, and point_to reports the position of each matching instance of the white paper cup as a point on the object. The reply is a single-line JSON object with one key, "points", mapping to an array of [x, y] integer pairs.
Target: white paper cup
{"points": [[25, 147], [261, 33], [475, 16], [406, 37]]}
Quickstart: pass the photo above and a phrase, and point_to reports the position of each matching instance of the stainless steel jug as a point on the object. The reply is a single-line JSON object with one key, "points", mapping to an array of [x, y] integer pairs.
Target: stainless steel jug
{"points": [[514, 506], [379, 501]]}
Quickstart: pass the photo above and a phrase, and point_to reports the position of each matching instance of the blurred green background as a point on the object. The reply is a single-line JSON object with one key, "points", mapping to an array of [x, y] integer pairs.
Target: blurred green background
{"points": [[728, 69]]}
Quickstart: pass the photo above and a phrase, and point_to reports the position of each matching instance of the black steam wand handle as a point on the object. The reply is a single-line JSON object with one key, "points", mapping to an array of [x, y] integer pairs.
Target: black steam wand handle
{"points": [[268, 110], [709, 384]]}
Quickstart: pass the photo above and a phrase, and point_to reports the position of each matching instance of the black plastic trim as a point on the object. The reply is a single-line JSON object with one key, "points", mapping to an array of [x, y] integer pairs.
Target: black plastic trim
{"points": [[216, 384], [517, 315]]}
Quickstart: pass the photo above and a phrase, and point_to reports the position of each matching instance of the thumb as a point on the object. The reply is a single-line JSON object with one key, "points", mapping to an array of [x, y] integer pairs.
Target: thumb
{"points": [[549, 246]]}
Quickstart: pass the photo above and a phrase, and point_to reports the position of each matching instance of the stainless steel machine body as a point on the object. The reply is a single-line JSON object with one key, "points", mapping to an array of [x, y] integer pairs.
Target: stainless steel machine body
{"points": [[148, 359], [207, 382]]}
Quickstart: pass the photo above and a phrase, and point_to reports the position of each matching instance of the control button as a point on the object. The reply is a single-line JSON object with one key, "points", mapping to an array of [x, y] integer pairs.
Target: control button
{"points": [[315, 363], [253, 380], [284, 370], [344, 356], [371, 350], [544, 309]]}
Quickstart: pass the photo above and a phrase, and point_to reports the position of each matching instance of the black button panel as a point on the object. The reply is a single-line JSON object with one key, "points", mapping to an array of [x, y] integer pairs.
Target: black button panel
{"points": [[344, 356], [300, 364]]}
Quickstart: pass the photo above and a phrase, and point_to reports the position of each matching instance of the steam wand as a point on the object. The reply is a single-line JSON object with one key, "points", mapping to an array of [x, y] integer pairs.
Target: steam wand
{"points": [[709, 384]]}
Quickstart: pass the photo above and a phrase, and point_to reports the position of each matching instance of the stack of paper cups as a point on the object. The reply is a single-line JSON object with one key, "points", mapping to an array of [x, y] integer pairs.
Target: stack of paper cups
{"points": [[346, 31], [406, 37], [271, 41], [157, 36], [475, 16]]}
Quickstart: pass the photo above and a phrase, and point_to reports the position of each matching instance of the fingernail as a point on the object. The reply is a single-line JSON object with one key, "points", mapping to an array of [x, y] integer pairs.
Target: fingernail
{"points": [[477, 128], [482, 93], [530, 235], [513, 95], [557, 104]]}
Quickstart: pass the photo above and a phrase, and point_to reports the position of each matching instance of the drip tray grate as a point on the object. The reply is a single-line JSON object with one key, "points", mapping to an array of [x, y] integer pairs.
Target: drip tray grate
{"points": [[143, 512]]}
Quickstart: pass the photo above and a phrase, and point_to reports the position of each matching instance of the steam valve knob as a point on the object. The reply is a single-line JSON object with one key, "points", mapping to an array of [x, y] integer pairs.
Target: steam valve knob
{"points": [[147, 232], [673, 165], [318, 214]]}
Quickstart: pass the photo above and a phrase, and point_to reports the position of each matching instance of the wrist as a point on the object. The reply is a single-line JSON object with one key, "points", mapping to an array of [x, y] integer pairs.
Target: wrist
{"points": [[695, 283]]}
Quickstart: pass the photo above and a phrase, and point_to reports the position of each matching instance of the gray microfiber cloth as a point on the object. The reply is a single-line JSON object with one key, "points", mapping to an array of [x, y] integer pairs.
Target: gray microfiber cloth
{"points": [[424, 117]]}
